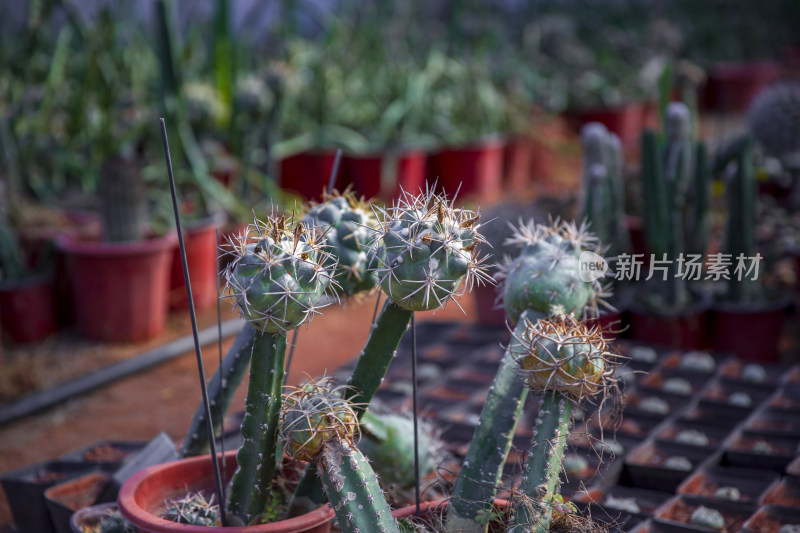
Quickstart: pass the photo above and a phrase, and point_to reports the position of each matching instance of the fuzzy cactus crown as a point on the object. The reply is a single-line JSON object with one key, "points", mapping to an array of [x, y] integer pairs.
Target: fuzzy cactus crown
{"points": [[279, 273], [425, 251]]}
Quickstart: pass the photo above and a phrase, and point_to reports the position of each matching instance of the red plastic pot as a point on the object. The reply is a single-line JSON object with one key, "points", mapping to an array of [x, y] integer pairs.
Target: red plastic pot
{"points": [[144, 494], [686, 330], [383, 175], [749, 331], [635, 226], [489, 312], [200, 241], [120, 290], [472, 170], [732, 86], [517, 160], [28, 308], [307, 173], [625, 121]]}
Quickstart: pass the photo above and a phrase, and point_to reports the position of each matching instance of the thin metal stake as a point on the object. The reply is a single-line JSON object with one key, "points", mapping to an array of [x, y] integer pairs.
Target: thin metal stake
{"points": [[219, 346], [198, 353], [334, 170], [291, 355], [414, 396], [377, 306]]}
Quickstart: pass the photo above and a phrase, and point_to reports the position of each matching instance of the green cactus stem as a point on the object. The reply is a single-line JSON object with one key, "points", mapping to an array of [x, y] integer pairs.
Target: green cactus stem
{"points": [[544, 278], [123, 200], [221, 389], [347, 225], [318, 425], [277, 281], [568, 362]]}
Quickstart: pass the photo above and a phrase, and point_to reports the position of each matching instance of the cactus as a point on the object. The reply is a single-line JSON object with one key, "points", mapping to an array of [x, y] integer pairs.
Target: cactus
{"points": [[319, 426], [123, 201], [543, 280], [774, 119], [193, 509], [347, 225], [277, 280], [568, 362], [113, 522], [676, 181], [603, 187]]}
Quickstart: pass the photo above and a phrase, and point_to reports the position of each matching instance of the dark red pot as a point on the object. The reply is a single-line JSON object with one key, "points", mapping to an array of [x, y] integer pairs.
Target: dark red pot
{"points": [[488, 310], [472, 170], [517, 160], [200, 241], [635, 225], [732, 86], [28, 308], [371, 178], [687, 330], [120, 290], [144, 494], [307, 173], [625, 121], [749, 331]]}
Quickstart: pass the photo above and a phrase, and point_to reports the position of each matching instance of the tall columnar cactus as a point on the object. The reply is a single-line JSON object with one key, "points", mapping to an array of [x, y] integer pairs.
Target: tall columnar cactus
{"points": [[319, 426], [123, 201], [568, 362], [603, 187], [277, 280], [346, 223], [542, 281], [424, 251], [676, 181]]}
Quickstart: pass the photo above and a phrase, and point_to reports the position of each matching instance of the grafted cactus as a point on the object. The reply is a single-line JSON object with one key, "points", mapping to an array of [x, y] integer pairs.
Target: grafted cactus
{"points": [[542, 281], [319, 426], [568, 362], [346, 223], [676, 182], [603, 187], [277, 280]]}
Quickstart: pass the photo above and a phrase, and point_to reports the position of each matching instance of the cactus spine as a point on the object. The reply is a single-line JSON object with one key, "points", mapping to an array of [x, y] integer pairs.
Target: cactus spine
{"points": [[277, 281], [542, 281], [603, 187], [676, 181], [318, 425], [568, 362]]}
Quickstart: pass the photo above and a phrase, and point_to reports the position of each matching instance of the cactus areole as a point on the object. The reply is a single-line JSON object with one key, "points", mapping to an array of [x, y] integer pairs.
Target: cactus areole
{"points": [[545, 276], [425, 251], [347, 224]]}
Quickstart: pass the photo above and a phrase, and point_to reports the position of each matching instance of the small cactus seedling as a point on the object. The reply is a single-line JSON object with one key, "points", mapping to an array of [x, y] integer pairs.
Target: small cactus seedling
{"points": [[569, 363], [543, 280], [277, 279], [347, 224], [193, 509], [319, 426]]}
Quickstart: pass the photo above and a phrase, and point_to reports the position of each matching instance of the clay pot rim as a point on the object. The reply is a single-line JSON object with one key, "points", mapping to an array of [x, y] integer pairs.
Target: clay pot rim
{"points": [[780, 302], [494, 141], [81, 514], [698, 305], [80, 247], [143, 519]]}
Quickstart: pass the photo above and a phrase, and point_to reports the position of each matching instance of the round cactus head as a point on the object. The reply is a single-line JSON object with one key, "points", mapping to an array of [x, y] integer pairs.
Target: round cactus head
{"points": [[545, 276], [566, 356], [348, 225], [279, 273], [313, 415], [425, 251], [678, 121]]}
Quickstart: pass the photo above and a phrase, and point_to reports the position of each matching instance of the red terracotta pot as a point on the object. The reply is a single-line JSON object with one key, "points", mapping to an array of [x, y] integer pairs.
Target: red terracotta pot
{"points": [[749, 331], [144, 493], [472, 170], [200, 241], [307, 173], [687, 330], [120, 290], [28, 308], [517, 161], [625, 121], [732, 86], [383, 175]]}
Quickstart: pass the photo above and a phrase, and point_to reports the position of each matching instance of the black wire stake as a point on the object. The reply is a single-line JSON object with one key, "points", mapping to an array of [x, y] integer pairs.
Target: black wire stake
{"points": [[331, 182], [219, 346], [414, 398], [198, 353], [377, 305]]}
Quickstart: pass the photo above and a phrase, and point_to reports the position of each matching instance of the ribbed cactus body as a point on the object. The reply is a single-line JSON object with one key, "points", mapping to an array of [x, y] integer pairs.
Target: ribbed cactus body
{"points": [[346, 224], [774, 119], [545, 276], [425, 249], [194, 510], [123, 201]]}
